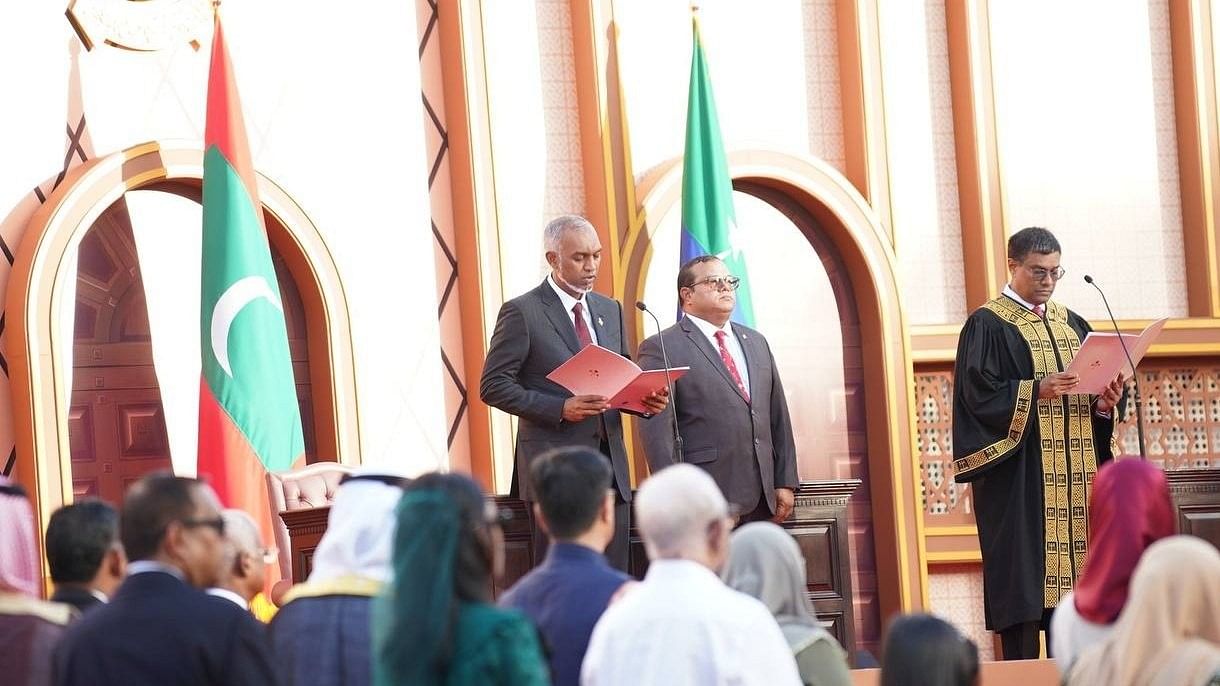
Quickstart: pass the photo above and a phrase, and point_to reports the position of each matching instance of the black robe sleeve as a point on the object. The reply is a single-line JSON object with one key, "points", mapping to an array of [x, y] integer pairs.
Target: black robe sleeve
{"points": [[993, 396]]}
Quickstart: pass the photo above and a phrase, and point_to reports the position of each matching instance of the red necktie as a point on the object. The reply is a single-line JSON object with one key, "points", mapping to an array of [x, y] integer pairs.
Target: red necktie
{"points": [[1039, 310], [732, 366], [582, 329]]}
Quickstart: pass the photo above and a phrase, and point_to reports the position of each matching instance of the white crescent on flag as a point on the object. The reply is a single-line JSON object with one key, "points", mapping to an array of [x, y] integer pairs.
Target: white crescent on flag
{"points": [[243, 292]]}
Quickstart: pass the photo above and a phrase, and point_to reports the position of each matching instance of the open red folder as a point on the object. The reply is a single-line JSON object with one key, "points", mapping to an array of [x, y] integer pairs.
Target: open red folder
{"points": [[598, 371], [1101, 357]]}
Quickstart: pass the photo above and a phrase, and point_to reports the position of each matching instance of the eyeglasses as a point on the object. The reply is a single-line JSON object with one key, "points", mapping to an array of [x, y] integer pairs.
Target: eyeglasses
{"points": [[218, 524], [1041, 274], [268, 555], [720, 283]]}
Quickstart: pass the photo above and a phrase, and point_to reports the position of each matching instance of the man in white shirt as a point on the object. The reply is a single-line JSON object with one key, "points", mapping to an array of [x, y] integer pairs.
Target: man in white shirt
{"points": [[246, 572], [682, 625]]}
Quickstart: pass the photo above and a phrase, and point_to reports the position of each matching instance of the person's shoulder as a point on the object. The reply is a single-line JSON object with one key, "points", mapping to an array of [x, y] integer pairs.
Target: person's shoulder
{"points": [[603, 300]]}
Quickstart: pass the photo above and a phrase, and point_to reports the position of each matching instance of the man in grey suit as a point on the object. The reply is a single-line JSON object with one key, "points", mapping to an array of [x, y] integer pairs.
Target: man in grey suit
{"points": [[731, 409], [540, 330]]}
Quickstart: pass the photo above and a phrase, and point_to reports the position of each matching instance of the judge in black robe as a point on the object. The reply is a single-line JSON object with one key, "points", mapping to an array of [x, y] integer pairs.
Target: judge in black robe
{"points": [[1027, 443]]}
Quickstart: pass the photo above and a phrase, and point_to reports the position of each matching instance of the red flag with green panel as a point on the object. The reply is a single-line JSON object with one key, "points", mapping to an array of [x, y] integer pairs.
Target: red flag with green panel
{"points": [[249, 420]]}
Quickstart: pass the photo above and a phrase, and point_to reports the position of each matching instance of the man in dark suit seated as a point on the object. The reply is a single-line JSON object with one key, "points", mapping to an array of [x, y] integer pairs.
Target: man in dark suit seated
{"points": [[160, 628], [85, 555], [567, 593]]}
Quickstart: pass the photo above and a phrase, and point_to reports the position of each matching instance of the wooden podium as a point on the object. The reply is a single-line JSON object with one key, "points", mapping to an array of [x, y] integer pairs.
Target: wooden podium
{"points": [[818, 523]]}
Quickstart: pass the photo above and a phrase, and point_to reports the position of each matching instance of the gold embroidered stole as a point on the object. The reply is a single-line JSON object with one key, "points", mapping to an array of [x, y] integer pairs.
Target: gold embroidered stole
{"points": [[1065, 427]]}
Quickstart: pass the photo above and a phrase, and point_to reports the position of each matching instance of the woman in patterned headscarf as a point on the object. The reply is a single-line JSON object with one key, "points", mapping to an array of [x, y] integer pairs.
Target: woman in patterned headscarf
{"points": [[435, 623], [29, 626], [1169, 630], [1129, 510]]}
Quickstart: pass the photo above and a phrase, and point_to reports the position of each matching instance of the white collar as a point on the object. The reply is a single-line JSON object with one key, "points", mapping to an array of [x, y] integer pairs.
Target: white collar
{"points": [[230, 596], [1008, 291], [102, 597], [145, 566], [566, 297], [709, 329]]}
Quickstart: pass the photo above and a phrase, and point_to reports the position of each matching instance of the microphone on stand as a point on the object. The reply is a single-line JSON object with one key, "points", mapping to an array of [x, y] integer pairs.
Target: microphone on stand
{"points": [[669, 383], [1135, 377]]}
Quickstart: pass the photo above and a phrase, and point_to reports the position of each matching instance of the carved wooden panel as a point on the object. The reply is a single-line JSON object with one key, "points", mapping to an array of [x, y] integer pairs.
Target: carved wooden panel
{"points": [[1196, 496], [142, 431], [80, 432]]}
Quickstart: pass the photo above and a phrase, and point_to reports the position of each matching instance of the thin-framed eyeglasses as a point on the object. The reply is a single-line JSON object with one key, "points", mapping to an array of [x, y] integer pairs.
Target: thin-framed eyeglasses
{"points": [[268, 555], [218, 524], [1041, 274], [720, 283]]}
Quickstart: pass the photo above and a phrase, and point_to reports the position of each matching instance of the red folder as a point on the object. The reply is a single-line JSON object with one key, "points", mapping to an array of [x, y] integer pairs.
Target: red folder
{"points": [[1101, 357], [598, 371]]}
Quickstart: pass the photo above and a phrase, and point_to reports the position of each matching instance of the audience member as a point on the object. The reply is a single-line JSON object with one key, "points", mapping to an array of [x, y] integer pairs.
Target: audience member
{"points": [[29, 626], [244, 573], [322, 633], [160, 628], [1169, 629], [766, 563], [682, 625], [435, 623], [922, 650], [1130, 509], [83, 550], [567, 593]]}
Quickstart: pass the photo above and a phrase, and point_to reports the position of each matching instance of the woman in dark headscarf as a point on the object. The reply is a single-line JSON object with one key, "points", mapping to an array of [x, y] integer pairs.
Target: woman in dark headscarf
{"points": [[766, 563], [435, 623], [29, 626], [1130, 510]]}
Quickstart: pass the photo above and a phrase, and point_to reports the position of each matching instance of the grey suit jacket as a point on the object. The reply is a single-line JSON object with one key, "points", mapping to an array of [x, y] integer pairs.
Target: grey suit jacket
{"points": [[747, 447], [533, 336]]}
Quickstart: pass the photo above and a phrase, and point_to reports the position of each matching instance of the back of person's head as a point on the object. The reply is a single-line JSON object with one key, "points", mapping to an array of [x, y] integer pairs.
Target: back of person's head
{"points": [[19, 571], [683, 515], [80, 537], [176, 520], [245, 571], [927, 651], [446, 549], [572, 487], [1129, 510], [1032, 239], [359, 538], [765, 562]]}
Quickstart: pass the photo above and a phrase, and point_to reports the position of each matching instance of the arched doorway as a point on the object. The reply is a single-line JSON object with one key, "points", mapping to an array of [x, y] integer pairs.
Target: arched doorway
{"points": [[856, 259], [42, 283], [117, 416]]}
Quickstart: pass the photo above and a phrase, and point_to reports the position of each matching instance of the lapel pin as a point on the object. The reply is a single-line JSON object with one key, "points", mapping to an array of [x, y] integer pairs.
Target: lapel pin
{"points": [[599, 321]]}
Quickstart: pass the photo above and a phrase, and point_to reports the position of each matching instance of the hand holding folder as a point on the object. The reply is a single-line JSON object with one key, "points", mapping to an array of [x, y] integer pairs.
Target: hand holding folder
{"points": [[598, 371], [1101, 357]]}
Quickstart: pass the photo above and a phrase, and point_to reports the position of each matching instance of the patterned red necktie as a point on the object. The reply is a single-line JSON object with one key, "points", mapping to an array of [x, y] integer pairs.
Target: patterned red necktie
{"points": [[732, 366], [582, 329], [1039, 310]]}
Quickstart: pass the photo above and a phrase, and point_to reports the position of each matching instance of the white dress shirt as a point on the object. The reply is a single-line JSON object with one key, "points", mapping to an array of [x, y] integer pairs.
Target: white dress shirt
{"points": [[682, 625], [569, 302], [229, 596], [145, 566], [1023, 302], [730, 341], [1072, 634]]}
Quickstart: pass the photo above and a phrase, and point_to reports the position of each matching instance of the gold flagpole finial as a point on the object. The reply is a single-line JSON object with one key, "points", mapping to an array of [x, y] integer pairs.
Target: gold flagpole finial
{"points": [[694, 8]]}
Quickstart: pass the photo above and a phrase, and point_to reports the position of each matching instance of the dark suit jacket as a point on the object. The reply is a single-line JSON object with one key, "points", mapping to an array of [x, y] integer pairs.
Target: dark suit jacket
{"points": [[77, 597], [158, 630], [533, 336], [747, 447], [564, 597]]}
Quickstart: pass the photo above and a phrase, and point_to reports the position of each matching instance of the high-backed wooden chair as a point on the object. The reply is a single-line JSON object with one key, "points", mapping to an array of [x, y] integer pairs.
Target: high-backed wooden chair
{"points": [[300, 489]]}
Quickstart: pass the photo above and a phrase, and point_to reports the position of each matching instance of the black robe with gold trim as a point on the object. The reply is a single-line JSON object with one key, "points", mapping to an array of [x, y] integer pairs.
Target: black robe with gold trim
{"points": [[1030, 462]]}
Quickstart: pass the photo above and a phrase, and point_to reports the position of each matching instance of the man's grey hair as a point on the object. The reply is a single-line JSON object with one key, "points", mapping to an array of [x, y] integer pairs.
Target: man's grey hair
{"points": [[674, 508], [241, 531], [555, 229]]}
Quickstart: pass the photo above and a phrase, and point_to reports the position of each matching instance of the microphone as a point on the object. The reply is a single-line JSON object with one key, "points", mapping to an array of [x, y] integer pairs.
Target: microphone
{"points": [[1135, 377], [669, 383]]}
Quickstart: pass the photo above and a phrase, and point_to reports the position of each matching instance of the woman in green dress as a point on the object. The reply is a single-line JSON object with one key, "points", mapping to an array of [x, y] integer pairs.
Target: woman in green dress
{"points": [[435, 623]]}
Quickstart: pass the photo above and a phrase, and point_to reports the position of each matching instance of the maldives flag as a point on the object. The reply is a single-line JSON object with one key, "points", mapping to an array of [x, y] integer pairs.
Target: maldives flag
{"points": [[249, 421]]}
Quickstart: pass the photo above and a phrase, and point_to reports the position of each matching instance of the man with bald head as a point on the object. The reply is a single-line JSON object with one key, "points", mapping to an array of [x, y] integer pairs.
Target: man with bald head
{"points": [[160, 627], [540, 330], [682, 624], [245, 571]]}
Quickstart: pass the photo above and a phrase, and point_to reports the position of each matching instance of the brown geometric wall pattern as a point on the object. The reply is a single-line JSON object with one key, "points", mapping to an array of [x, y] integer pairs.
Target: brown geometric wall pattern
{"points": [[1181, 419], [436, 141]]}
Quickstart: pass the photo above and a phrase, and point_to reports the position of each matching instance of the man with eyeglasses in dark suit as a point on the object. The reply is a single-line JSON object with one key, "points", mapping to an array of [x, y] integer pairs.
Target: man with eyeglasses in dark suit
{"points": [[732, 413], [160, 627]]}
